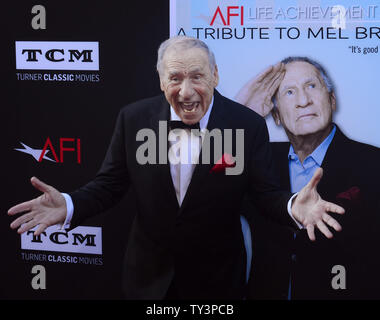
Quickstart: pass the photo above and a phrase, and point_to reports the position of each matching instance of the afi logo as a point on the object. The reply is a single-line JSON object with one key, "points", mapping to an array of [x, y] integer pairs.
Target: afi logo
{"points": [[78, 240], [65, 145], [232, 11]]}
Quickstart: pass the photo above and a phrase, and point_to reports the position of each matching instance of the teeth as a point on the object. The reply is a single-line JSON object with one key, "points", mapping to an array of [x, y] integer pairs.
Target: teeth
{"points": [[191, 110], [187, 105]]}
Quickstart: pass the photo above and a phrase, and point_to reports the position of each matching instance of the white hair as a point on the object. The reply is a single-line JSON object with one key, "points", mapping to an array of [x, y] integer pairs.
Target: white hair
{"points": [[184, 42]]}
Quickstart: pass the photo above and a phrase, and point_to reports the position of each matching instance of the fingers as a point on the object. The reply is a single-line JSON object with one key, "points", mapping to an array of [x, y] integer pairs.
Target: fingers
{"points": [[315, 179], [310, 232], [20, 220], [332, 207], [27, 205], [269, 72], [275, 72], [21, 207], [245, 93], [29, 221], [266, 77], [47, 209], [41, 186], [265, 73], [275, 83], [265, 84], [331, 222], [27, 226], [41, 228], [323, 228], [31, 224]]}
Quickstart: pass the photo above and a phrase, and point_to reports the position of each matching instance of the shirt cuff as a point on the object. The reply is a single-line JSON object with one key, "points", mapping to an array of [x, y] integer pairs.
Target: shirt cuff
{"points": [[70, 211], [300, 226]]}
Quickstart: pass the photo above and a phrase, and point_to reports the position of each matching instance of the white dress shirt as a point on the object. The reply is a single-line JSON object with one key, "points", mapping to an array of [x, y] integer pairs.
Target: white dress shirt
{"points": [[185, 146]]}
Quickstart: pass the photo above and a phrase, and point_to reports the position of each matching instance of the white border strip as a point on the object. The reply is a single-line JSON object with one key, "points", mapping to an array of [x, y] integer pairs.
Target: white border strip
{"points": [[172, 17]]}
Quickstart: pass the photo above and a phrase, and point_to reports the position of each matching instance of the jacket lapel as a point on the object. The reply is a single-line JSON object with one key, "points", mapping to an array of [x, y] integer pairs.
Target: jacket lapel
{"points": [[201, 171], [281, 151], [161, 171], [332, 165]]}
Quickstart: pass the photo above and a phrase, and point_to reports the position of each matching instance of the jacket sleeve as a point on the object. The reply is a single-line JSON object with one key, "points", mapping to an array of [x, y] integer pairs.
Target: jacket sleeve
{"points": [[111, 182], [264, 188]]}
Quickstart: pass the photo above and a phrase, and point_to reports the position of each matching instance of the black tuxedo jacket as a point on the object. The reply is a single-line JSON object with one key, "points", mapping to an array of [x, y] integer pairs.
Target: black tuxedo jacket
{"points": [[198, 246], [350, 179]]}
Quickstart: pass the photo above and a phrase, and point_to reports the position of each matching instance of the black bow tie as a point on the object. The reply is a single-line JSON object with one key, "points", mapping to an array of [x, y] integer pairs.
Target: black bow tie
{"points": [[180, 125]]}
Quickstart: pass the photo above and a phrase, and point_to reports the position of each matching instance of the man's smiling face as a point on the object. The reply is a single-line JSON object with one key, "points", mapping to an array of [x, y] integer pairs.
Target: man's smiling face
{"points": [[188, 82]]}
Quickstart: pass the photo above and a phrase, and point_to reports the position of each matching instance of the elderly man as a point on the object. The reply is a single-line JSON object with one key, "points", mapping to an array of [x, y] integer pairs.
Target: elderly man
{"points": [[300, 95], [186, 240]]}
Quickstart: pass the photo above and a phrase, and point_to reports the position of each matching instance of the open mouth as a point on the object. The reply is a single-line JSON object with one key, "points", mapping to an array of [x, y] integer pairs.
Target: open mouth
{"points": [[189, 107]]}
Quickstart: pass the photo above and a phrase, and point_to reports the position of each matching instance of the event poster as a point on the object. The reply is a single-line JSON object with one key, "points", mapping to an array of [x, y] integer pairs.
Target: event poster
{"points": [[248, 36]]}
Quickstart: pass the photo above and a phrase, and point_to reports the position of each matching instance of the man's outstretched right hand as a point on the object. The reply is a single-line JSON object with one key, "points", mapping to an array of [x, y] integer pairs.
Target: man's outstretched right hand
{"points": [[44, 211]]}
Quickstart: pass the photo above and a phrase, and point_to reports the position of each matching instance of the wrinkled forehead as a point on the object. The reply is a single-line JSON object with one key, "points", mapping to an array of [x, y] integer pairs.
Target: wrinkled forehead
{"points": [[186, 57], [298, 73]]}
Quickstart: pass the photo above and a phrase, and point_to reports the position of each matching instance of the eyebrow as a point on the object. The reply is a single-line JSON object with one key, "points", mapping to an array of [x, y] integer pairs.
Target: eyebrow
{"points": [[306, 81], [174, 73], [311, 80], [195, 70], [191, 71]]}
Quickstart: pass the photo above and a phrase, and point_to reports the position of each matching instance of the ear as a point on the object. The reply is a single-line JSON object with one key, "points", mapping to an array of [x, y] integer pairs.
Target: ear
{"points": [[333, 101], [216, 76], [276, 116], [161, 83]]}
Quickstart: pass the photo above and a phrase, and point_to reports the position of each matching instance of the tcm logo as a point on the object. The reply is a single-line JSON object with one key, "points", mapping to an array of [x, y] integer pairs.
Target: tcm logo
{"points": [[232, 11], [65, 145], [78, 240], [57, 55]]}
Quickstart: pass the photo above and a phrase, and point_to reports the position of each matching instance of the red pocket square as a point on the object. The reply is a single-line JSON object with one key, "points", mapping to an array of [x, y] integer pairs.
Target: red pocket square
{"points": [[226, 161], [351, 194]]}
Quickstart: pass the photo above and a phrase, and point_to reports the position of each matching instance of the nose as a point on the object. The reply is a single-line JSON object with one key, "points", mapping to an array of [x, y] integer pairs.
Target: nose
{"points": [[186, 90], [303, 99]]}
